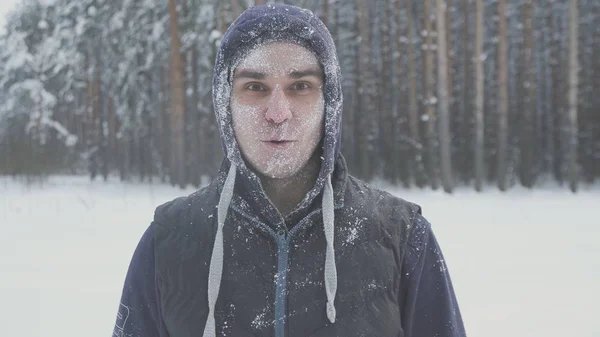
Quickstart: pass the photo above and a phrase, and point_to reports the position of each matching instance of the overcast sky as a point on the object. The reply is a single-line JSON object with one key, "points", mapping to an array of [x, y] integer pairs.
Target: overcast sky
{"points": [[5, 6]]}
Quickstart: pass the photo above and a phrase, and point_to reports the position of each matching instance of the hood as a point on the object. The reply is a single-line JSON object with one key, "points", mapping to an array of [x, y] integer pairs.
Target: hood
{"points": [[260, 25], [279, 23]]}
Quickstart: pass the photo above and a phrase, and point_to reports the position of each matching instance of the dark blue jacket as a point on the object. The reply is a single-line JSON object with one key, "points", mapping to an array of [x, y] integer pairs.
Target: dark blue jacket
{"points": [[392, 279]]}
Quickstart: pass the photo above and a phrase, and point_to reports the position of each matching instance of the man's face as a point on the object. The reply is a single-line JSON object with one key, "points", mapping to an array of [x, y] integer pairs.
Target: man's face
{"points": [[277, 108]]}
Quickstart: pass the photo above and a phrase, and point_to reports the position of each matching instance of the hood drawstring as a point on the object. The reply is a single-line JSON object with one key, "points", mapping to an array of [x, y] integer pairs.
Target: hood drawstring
{"points": [[330, 266], [215, 272], [216, 261]]}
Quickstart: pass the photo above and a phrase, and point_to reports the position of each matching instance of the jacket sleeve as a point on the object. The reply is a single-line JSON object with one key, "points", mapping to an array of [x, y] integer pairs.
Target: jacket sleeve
{"points": [[429, 303], [139, 313]]}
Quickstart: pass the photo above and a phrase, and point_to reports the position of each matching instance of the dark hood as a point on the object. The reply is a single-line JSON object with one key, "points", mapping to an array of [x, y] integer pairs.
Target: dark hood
{"points": [[278, 23]]}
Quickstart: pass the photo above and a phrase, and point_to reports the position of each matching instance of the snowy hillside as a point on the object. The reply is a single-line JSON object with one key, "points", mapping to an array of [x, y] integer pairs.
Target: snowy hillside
{"points": [[526, 263]]}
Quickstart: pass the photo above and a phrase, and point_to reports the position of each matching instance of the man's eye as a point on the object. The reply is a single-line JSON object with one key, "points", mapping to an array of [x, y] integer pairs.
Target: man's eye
{"points": [[255, 87], [301, 86]]}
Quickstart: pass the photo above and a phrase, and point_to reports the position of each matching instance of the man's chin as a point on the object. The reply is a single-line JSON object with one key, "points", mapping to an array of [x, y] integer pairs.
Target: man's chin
{"points": [[278, 173], [280, 169]]}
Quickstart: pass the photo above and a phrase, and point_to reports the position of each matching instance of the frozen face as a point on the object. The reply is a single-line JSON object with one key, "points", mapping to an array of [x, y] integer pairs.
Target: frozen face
{"points": [[277, 108]]}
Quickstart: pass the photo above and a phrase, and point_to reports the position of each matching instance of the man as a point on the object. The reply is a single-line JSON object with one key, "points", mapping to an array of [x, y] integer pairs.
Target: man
{"points": [[284, 242]]}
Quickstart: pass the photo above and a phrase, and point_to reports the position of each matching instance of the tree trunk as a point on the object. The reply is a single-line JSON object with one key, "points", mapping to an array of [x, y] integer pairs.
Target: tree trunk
{"points": [[528, 129], [572, 141], [444, 113], [325, 17], [88, 119], [166, 129], [236, 9], [365, 102], [224, 15], [113, 125], [197, 129], [102, 97], [413, 109], [450, 65], [404, 159], [502, 97], [147, 146], [464, 125], [387, 116], [479, 120], [177, 162], [549, 118], [335, 24], [595, 100], [430, 101], [556, 93], [99, 119]]}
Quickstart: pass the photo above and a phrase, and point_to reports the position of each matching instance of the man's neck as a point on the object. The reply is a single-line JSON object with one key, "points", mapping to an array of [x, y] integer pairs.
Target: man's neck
{"points": [[287, 193]]}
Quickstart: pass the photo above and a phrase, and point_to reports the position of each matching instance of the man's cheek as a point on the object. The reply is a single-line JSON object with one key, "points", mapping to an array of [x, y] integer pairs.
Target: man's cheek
{"points": [[244, 109], [314, 120]]}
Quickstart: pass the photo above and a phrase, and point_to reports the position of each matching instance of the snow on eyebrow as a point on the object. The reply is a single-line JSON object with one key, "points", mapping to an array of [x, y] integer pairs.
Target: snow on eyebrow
{"points": [[305, 73], [260, 59], [295, 74], [243, 73]]}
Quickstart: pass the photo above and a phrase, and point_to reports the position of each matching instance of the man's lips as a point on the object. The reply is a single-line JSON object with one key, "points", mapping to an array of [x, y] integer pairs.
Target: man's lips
{"points": [[278, 143]]}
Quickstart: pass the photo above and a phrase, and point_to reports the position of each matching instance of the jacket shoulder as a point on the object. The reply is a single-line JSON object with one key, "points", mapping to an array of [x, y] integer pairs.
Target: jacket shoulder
{"points": [[182, 212], [372, 195], [185, 226], [395, 214]]}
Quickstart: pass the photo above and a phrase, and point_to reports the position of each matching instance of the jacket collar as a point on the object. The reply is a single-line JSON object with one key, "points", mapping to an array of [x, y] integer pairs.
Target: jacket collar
{"points": [[250, 197]]}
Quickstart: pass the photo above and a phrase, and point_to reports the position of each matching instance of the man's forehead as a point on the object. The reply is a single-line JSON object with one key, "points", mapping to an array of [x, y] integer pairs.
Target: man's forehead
{"points": [[293, 73], [280, 59]]}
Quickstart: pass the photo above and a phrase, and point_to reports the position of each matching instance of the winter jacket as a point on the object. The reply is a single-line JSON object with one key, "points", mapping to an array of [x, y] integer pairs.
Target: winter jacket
{"points": [[350, 260]]}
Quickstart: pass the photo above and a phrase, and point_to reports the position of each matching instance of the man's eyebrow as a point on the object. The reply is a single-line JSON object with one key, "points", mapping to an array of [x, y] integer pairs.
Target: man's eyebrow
{"points": [[308, 72], [249, 74]]}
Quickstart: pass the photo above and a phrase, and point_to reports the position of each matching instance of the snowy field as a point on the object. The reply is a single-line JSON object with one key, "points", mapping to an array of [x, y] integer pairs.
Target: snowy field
{"points": [[525, 263]]}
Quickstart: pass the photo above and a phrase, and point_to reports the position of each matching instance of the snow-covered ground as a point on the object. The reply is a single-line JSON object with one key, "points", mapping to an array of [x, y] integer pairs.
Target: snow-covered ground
{"points": [[525, 263]]}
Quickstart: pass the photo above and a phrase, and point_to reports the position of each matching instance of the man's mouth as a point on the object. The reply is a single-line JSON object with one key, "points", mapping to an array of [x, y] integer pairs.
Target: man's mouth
{"points": [[278, 143]]}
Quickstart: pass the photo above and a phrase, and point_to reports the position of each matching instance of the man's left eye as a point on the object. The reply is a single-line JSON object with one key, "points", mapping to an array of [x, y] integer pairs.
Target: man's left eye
{"points": [[301, 86], [255, 87]]}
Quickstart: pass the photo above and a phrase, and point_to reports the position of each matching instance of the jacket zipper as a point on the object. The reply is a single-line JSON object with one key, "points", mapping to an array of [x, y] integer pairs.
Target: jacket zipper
{"points": [[283, 240], [281, 283]]}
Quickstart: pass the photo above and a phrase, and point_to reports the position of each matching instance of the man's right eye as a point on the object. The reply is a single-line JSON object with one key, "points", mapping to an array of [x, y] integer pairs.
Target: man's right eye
{"points": [[255, 87]]}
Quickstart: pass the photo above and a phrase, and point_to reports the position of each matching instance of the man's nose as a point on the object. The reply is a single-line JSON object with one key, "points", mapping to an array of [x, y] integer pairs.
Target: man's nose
{"points": [[278, 107]]}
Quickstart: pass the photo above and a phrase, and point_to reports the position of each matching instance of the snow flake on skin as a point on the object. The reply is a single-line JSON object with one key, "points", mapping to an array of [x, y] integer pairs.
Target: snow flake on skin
{"points": [[224, 71], [277, 112]]}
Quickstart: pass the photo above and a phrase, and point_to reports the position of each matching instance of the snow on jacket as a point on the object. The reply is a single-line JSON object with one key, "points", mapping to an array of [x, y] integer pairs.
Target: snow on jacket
{"points": [[350, 260]]}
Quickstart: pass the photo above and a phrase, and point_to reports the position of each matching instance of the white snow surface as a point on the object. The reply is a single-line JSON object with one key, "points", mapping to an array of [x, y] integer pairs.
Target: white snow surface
{"points": [[523, 263]]}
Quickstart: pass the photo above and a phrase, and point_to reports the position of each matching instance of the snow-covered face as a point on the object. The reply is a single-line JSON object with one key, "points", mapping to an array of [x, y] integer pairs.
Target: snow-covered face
{"points": [[277, 108]]}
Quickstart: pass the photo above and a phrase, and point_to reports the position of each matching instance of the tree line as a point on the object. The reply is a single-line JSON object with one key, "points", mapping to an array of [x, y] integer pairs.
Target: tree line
{"points": [[437, 93]]}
